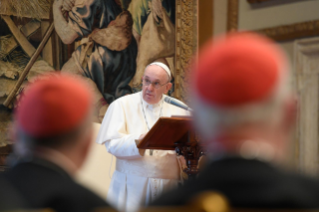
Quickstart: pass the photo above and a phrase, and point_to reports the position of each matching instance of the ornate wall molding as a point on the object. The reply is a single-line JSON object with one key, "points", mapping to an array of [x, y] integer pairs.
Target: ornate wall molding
{"points": [[306, 84], [186, 43], [232, 15], [292, 31]]}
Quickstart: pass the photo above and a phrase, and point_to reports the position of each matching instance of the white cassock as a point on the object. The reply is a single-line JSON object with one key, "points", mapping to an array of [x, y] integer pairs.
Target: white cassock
{"points": [[137, 179]]}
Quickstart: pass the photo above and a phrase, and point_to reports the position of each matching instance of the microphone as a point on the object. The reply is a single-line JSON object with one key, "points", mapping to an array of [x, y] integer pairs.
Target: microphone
{"points": [[177, 103]]}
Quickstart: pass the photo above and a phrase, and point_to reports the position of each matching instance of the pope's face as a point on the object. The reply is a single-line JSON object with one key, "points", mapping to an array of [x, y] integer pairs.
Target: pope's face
{"points": [[155, 84]]}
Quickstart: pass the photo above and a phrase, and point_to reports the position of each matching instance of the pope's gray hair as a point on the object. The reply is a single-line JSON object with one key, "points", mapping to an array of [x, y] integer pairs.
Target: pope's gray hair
{"points": [[164, 67]]}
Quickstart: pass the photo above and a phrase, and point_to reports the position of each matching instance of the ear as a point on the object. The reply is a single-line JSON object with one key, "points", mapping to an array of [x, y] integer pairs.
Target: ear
{"points": [[168, 87]]}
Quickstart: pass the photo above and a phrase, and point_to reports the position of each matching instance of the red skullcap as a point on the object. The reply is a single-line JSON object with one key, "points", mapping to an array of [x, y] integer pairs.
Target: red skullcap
{"points": [[239, 69], [53, 106]]}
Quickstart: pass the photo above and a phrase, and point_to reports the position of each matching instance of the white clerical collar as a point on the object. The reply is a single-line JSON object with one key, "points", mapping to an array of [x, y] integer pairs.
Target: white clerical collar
{"points": [[151, 106]]}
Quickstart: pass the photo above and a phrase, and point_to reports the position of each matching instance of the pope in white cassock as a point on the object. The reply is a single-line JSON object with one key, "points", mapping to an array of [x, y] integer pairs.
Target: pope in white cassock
{"points": [[140, 176]]}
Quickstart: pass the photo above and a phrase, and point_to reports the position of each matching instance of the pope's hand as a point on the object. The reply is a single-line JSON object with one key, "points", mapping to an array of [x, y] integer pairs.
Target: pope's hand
{"points": [[141, 151], [141, 136]]}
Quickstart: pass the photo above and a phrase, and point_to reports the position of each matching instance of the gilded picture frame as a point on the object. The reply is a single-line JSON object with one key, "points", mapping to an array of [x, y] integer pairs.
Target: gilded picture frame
{"points": [[194, 25]]}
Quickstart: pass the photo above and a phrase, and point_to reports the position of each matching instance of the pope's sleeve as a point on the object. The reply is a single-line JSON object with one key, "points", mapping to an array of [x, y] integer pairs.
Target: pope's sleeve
{"points": [[114, 135]]}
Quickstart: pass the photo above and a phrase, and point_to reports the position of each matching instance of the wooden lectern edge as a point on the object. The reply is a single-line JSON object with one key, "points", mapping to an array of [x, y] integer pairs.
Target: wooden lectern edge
{"points": [[141, 143], [179, 116]]}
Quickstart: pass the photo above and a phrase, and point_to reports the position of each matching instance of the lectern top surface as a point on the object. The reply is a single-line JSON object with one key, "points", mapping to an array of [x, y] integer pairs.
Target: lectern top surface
{"points": [[165, 132]]}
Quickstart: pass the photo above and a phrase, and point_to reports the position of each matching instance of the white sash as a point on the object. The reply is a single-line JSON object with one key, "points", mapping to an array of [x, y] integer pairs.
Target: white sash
{"points": [[162, 164]]}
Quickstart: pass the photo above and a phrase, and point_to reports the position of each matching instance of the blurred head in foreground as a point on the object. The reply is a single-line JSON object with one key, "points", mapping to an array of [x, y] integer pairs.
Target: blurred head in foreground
{"points": [[241, 97], [54, 119]]}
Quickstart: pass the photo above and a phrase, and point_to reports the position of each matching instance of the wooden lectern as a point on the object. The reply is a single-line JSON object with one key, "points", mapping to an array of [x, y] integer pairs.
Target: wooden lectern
{"points": [[175, 133]]}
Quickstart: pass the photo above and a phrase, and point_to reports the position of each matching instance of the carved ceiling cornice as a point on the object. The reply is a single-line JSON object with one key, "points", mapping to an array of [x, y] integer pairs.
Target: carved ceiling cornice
{"points": [[257, 1], [292, 31]]}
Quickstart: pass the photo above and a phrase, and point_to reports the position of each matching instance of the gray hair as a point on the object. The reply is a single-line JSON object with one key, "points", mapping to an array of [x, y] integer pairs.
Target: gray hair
{"points": [[163, 66]]}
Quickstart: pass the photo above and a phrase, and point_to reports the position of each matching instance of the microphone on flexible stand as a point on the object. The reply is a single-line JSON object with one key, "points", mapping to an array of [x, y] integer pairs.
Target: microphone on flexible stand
{"points": [[177, 103]]}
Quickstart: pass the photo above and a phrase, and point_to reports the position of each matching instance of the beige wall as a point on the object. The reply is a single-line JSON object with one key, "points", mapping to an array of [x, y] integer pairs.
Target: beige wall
{"points": [[97, 171], [220, 16]]}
